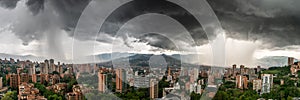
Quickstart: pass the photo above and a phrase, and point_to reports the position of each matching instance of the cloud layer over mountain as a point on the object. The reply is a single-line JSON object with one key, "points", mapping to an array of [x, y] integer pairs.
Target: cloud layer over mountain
{"points": [[275, 22], [269, 24]]}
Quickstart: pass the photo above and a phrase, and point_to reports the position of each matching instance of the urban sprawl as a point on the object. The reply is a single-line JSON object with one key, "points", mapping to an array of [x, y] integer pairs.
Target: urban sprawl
{"points": [[47, 80]]}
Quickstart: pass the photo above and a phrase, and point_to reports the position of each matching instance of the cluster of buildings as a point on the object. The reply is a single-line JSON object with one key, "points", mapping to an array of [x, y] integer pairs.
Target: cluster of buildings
{"points": [[192, 83], [264, 84], [27, 73], [122, 80], [243, 76], [28, 92], [182, 82], [242, 72], [76, 93], [125, 78]]}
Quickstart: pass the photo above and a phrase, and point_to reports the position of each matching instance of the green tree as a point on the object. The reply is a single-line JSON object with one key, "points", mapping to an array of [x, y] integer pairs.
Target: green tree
{"points": [[55, 72], [10, 95], [249, 95], [70, 84], [162, 84], [221, 95], [54, 97], [195, 96], [289, 98]]}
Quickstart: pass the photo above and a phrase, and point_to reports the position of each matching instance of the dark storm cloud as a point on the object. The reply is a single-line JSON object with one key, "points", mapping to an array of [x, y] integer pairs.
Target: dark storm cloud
{"points": [[47, 15], [70, 11], [140, 7], [274, 22], [35, 6], [9, 3], [158, 41], [45, 20]]}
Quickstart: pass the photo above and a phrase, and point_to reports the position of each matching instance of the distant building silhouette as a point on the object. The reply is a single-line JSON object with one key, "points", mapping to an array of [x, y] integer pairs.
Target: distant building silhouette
{"points": [[290, 60]]}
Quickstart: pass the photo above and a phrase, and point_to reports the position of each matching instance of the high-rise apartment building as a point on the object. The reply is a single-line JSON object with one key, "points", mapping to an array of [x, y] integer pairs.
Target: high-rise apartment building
{"points": [[257, 84], [101, 81], [267, 83], [196, 74], [242, 69], [153, 88], [234, 70], [241, 82], [51, 66], [46, 67], [257, 69], [1, 83], [13, 80], [23, 78], [120, 80], [33, 69]]}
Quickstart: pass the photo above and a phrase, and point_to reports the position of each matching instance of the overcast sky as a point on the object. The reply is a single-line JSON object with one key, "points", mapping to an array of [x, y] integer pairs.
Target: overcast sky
{"points": [[253, 29]]}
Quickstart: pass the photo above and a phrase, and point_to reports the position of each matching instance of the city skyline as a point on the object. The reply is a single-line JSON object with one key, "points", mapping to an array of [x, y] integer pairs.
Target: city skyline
{"points": [[149, 49], [71, 81]]}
